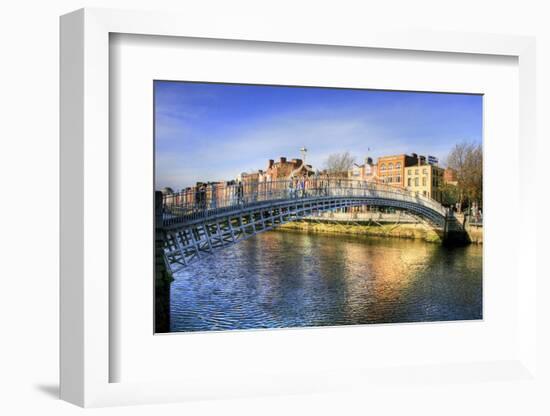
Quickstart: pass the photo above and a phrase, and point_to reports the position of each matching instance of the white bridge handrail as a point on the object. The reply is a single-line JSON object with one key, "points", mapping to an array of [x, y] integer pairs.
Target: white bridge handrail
{"points": [[211, 199]]}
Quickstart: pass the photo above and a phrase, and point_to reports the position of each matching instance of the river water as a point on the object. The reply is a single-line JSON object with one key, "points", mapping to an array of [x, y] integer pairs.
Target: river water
{"points": [[292, 279]]}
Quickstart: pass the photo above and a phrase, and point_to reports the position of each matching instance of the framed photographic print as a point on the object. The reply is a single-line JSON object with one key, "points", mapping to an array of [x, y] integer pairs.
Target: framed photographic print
{"points": [[271, 211], [354, 228]]}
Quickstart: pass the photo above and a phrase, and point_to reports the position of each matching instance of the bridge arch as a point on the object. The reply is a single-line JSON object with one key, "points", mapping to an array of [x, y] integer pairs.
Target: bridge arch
{"points": [[194, 224]]}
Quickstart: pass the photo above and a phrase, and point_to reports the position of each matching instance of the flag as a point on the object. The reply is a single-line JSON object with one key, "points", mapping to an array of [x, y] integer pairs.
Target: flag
{"points": [[432, 160]]}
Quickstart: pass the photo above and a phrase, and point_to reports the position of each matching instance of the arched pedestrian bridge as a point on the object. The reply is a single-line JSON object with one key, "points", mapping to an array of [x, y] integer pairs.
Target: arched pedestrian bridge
{"points": [[192, 224]]}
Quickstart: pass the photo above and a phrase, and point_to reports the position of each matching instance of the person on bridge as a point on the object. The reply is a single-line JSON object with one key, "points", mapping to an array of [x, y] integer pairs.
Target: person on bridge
{"points": [[326, 186], [301, 187], [197, 196], [203, 196], [240, 193], [213, 196]]}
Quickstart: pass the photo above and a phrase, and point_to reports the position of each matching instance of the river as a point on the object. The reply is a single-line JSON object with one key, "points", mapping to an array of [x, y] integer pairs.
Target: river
{"points": [[292, 279]]}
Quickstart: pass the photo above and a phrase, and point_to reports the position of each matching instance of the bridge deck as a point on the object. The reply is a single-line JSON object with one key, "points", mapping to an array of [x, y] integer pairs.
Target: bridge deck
{"points": [[191, 205], [195, 225]]}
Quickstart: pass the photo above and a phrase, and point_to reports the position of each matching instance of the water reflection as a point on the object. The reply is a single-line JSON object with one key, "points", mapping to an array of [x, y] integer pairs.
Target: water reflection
{"points": [[285, 279]]}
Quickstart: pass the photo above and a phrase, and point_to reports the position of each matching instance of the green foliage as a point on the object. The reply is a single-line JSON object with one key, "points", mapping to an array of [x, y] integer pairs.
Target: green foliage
{"points": [[450, 194]]}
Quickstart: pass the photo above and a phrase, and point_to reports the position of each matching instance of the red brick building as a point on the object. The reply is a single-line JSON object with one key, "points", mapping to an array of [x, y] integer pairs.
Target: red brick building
{"points": [[283, 169], [391, 169], [449, 176]]}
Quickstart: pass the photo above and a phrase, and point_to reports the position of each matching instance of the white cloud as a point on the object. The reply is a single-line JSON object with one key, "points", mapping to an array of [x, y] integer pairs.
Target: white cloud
{"points": [[223, 155], [270, 139]]}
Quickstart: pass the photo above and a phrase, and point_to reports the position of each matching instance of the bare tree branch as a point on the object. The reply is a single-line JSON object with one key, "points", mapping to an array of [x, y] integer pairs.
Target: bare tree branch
{"points": [[339, 162], [467, 160]]}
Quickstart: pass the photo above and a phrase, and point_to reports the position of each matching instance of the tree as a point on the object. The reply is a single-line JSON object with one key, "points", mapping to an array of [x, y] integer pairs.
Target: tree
{"points": [[339, 162], [450, 194], [467, 160]]}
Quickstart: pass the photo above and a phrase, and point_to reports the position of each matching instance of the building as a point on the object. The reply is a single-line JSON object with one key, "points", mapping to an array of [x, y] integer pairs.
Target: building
{"points": [[391, 169], [284, 169], [449, 177], [425, 180], [364, 172], [250, 177]]}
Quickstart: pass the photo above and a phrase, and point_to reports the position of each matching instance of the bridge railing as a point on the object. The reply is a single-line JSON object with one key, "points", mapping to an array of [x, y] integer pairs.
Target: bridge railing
{"points": [[212, 199]]}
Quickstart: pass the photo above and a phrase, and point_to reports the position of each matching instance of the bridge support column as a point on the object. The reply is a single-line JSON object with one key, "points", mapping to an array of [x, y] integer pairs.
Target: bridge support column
{"points": [[453, 234], [163, 277]]}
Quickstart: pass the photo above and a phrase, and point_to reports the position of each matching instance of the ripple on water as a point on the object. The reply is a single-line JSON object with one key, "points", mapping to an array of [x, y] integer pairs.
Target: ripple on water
{"points": [[282, 279]]}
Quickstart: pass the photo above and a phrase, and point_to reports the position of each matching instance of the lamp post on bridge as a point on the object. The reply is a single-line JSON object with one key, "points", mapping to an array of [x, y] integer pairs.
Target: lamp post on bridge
{"points": [[303, 150]]}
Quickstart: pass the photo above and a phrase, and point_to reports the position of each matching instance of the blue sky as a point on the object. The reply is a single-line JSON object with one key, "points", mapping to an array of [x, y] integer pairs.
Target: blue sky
{"points": [[210, 132]]}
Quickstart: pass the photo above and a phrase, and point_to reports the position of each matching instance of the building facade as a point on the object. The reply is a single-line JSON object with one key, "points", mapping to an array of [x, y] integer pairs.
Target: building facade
{"points": [[281, 170], [449, 176], [391, 169], [425, 180], [364, 172], [284, 169]]}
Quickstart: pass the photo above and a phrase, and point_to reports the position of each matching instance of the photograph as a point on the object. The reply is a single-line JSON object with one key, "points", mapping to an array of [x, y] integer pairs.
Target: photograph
{"points": [[282, 206]]}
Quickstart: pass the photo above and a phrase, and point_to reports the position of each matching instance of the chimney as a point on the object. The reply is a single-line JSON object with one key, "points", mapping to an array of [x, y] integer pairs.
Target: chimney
{"points": [[283, 159], [270, 163]]}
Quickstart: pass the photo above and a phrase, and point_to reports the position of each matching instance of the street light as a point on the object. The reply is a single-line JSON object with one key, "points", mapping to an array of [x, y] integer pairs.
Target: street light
{"points": [[303, 150]]}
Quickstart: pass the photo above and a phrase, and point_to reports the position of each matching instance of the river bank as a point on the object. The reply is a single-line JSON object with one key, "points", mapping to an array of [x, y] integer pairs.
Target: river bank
{"points": [[416, 231], [475, 234], [405, 231]]}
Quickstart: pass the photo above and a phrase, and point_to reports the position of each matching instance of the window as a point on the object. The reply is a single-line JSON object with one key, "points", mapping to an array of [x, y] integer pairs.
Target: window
{"points": [[409, 172], [424, 193], [383, 167], [425, 171], [424, 181], [416, 171], [398, 179], [415, 181], [409, 181], [398, 165], [390, 167], [390, 179]]}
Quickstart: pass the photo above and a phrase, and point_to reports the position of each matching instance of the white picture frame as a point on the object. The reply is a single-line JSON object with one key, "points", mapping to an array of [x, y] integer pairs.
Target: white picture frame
{"points": [[85, 211]]}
